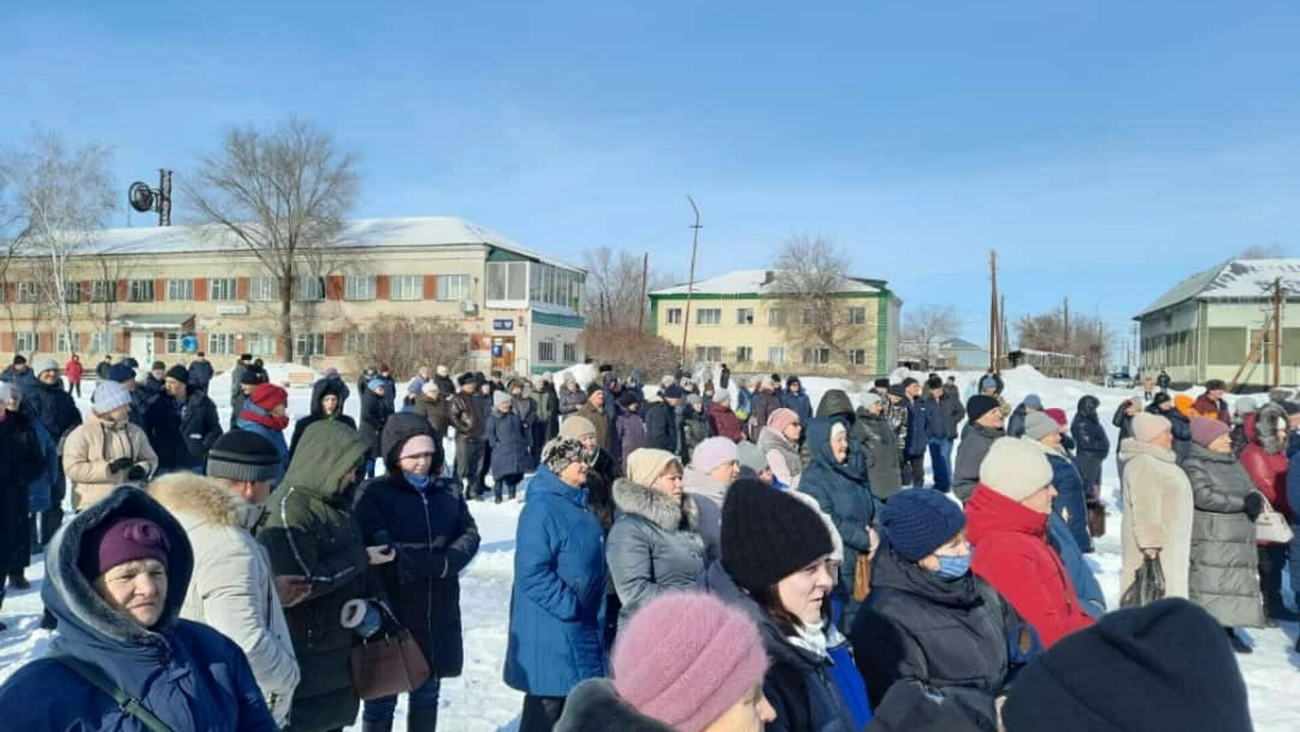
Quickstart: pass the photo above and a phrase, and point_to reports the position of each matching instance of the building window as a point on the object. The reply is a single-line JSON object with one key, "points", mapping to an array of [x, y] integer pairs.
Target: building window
{"points": [[857, 356], [708, 353], [570, 353], [776, 354], [173, 344], [103, 291], [546, 351], [674, 316], [68, 342], [744, 316], [141, 291], [221, 344], [708, 316], [452, 288], [744, 354], [221, 289], [27, 341], [813, 316], [29, 292], [263, 289], [816, 356], [259, 344], [72, 292], [310, 289], [308, 344], [776, 317], [359, 287], [180, 289], [406, 287], [507, 280], [358, 344], [857, 316], [101, 341]]}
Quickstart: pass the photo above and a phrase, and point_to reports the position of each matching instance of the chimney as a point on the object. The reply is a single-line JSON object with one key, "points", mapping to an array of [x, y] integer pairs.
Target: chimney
{"points": [[769, 277]]}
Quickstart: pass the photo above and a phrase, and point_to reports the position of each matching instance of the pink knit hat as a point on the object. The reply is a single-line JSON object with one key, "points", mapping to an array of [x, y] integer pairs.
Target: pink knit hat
{"points": [[1206, 430], [686, 658], [781, 418]]}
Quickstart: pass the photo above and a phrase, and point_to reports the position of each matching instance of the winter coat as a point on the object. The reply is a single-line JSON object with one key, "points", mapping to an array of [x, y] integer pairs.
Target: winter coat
{"points": [[182, 434], [694, 431], [630, 429], [1016, 422], [509, 445], [434, 411], [1123, 420], [375, 410], [600, 421], [1092, 444], [941, 633], [1086, 586], [883, 456], [321, 389], [724, 423], [1071, 502], [1182, 429], [918, 431], [446, 387], [274, 436], [782, 457], [571, 399], [233, 589], [1204, 406], [1265, 459], [188, 675], [594, 706], [765, 402], [52, 405], [662, 431], [548, 410], [23, 465], [976, 439], [73, 370], [1012, 554], [1224, 576], [653, 547], [799, 683], [1158, 511], [526, 408], [310, 531], [944, 414], [845, 495], [90, 449], [467, 417], [799, 403], [708, 495], [200, 374], [557, 603], [237, 386], [435, 536]]}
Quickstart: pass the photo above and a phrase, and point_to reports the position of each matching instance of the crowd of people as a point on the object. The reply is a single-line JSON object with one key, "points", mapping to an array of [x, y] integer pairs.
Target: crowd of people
{"points": [[691, 555]]}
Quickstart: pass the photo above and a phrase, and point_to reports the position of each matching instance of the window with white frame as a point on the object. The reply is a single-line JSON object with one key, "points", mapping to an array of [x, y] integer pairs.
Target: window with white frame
{"points": [[263, 289], [816, 356], [310, 289], [857, 356], [708, 316], [101, 341], [259, 344], [359, 287], [776, 354], [67, 342], [221, 344], [546, 351], [775, 317], [455, 287], [406, 288], [141, 291], [358, 344], [29, 292], [814, 316], [507, 280], [103, 291], [27, 341], [180, 289], [570, 352], [674, 316], [308, 344], [708, 353], [172, 343], [72, 292], [857, 316], [744, 354], [744, 316], [222, 289]]}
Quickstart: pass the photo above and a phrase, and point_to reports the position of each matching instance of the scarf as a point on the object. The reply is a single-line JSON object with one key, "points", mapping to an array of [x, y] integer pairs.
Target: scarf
{"points": [[810, 638], [257, 415]]}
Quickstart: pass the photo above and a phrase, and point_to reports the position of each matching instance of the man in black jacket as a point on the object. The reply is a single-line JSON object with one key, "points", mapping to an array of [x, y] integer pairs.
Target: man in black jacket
{"points": [[21, 462], [944, 414], [662, 426], [182, 426], [47, 400], [200, 371], [470, 422]]}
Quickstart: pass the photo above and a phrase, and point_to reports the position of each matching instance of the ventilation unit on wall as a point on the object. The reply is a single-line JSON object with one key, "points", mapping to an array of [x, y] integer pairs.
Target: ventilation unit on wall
{"points": [[468, 307]]}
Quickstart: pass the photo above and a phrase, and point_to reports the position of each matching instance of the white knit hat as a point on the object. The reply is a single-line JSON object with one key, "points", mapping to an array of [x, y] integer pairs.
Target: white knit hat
{"points": [[1015, 468], [1147, 427], [109, 395]]}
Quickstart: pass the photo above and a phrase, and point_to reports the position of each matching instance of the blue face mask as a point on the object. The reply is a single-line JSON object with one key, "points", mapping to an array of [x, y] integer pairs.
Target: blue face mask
{"points": [[953, 568], [420, 482]]}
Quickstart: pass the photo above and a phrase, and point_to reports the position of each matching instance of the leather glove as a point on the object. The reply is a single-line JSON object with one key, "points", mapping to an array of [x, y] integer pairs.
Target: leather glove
{"points": [[119, 465], [137, 472], [1254, 505]]}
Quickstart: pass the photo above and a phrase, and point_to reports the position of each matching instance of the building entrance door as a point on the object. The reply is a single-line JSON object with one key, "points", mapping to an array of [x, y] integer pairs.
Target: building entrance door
{"points": [[503, 353], [141, 350]]}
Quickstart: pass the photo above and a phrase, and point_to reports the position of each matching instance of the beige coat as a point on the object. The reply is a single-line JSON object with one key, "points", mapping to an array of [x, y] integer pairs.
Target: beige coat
{"points": [[233, 589], [1158, 510], [92, 446]]}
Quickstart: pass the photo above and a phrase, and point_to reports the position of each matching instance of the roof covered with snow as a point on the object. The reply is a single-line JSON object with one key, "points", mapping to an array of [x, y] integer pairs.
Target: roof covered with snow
{"points": [[1236, 279], [759, 282], [960, 343], [415, 232]]}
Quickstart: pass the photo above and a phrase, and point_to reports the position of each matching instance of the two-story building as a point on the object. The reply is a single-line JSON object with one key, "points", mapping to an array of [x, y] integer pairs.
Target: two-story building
{"points": [[160, 293], [745, 320]]}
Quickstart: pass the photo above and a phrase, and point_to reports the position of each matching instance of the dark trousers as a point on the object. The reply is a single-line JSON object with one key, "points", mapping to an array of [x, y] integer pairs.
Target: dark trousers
{"points": [[75, 386], [914, 470], [52, 518], [940, 457], [540, 430], [540, 713], [509, 484], [469, 466], [1272, 558]]}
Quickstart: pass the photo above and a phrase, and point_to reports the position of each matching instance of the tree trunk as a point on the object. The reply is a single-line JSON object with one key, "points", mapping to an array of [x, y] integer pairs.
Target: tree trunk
{"points": [[286, 319]]}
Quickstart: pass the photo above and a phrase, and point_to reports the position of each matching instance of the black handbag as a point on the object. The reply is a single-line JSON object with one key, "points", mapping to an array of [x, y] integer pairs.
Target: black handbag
{"points": [[1148, 584]]}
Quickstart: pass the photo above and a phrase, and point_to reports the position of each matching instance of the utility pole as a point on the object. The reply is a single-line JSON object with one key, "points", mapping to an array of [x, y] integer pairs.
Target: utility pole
{"points": [[690, 286], [1277, 332], [1002, 324], [645, 273], [995, 325], [1066, 311]]}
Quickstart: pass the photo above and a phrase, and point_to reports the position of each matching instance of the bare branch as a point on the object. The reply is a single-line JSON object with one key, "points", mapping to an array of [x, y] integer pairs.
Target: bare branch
{"points": [[809, 274], [613, 297]]}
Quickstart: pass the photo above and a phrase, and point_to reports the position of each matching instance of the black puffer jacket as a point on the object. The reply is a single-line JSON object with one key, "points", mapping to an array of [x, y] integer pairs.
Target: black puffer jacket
{"points": [[200, 427], [321, 389], [1182, 426], [883, 456], [375, 411], [52, 405], [1091, 442], [943, 634]]}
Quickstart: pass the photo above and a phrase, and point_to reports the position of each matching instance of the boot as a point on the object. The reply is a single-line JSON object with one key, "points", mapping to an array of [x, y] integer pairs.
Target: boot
{"points": [[19, 582], [48, 621], [1238, 645], [384, 726], [422, 719]]}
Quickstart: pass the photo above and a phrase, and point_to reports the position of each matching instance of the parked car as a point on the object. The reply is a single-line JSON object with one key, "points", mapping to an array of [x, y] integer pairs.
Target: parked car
{"points": [[1120, 380]]}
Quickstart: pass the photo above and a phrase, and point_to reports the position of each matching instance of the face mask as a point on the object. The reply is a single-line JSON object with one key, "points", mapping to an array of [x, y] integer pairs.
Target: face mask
{"points": [[952, 568], [420, 482]]}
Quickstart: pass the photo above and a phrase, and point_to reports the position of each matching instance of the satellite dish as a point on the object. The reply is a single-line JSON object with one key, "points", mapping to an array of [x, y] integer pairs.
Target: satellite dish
{"points": [[189, 343], [141, 196]]}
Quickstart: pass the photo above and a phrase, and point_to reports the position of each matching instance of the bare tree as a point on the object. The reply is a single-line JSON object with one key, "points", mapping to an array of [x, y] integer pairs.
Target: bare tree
{"points": [[1088, 337], [924, 325], [62, 197], [285, 194], [614, 297], [809, 279], [406, 343], [1270, 251], [628, 348]]}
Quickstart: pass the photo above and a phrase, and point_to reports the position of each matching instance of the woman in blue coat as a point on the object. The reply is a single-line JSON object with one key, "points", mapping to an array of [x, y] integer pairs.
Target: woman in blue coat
{"points": [[1071, 502], [507, 445], [116, 577], [558, 599]]}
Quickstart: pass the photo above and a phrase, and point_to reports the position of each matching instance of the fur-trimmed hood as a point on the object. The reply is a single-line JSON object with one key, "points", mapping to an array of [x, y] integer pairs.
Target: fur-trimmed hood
{"points": [[199, 500], [594, 706], [656, 507], [1269, 414]]}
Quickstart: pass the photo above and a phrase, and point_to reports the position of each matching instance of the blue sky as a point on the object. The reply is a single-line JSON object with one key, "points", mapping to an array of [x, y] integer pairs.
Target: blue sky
{"points": [[1107, 149]]}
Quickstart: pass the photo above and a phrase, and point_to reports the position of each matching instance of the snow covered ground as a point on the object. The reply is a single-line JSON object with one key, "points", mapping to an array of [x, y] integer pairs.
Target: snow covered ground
{"points": [[479, 701]]}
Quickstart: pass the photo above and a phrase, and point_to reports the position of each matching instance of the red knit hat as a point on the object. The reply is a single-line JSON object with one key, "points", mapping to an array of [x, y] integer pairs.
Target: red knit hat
{"points": [[1057, 414], [269, 396]]}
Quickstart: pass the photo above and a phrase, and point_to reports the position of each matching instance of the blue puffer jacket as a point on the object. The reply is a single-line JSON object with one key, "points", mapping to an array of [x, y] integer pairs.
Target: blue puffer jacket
{"points": [[190, 676], [557, 605], [1293, 477], [799, 403], [1085, 584], [1071, 502]]}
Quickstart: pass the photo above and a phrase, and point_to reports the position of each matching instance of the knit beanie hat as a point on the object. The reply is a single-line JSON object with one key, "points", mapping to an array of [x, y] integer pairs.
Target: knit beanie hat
{"points": [[1058, 416], [109, 395], [672, 391], [881, 383], [576, 427], [1015, 468], [465, 378], [645, 465], [250, 377], [871, 398], [695, 400], [1033, 402], [988, 382], [429, 388], [1206, 430], [560, 453], [1244, 406], [686, 658], [1147, 427], [768, 535], [121, 540], [43, 364], [1039, 425], [417, 445], [979, 405], [269, 396], [179, 373], [1166, 665], [120, 372], [918, 521], [376, 384], [781, 418], [752, 462], [711, 453], [628, 398], [500, 398], [593, 388], [240, 455]]}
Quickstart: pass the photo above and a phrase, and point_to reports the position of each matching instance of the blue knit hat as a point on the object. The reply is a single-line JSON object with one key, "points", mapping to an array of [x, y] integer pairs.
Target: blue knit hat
{"points": [[375, 383], [121, 373], [918, 520]]}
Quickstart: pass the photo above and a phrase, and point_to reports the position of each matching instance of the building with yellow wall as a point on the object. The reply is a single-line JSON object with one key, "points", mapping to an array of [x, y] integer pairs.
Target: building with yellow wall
{"points": [[743, 319]]}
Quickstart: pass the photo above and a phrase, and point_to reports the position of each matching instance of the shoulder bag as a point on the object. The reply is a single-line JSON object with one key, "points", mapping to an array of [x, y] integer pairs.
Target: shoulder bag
{"points": [[389, 662], [125, 701]]}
